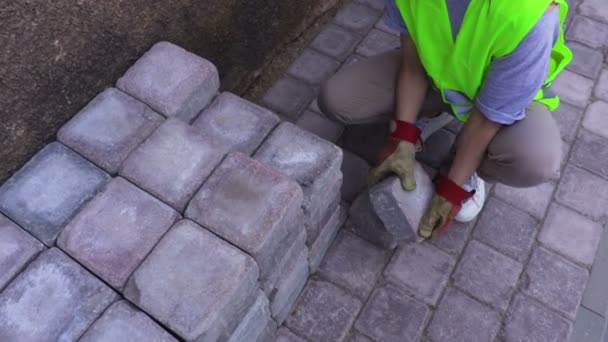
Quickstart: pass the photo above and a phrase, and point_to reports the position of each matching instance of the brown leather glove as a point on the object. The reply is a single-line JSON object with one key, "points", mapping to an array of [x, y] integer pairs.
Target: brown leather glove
{"points": [[398, 156], [444, 207]]}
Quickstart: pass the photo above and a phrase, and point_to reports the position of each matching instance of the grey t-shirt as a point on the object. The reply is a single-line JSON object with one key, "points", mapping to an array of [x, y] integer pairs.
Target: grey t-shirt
{"points": [[511, 81]]}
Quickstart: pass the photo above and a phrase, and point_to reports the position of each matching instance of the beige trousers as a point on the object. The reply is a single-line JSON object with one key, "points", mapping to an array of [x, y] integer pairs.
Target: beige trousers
{"points": [[524, 154]]}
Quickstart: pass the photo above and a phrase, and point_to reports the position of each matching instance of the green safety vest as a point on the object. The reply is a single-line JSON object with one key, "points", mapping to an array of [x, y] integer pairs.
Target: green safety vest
{"points": [[490, 29]]}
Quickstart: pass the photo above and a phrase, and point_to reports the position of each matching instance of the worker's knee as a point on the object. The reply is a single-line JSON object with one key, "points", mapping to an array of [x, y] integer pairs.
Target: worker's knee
{"points": [[332, 101]]}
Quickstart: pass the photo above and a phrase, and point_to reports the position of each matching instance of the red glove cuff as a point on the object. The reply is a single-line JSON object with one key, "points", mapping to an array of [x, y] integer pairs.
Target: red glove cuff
{"points": [[451, 191], [407, 132]]}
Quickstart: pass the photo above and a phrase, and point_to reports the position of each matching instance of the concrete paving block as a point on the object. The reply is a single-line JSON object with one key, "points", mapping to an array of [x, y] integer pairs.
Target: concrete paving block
{"points": [[595, 118], [590, 153], [335, 42], [568, 119], [588, 32], [355, 171], [392, 316], [188, 284], [363, 221], [575, 191], [454, 240], [324, 312], [124, 322], [235, 124], [437, 148], [173, 163], [586, 61], [115, 231], [289, 97], [287, 262], [171, 80], [401, 211], [45, 194], [460, 318], [377, 42], [588, 327], [253, 325], [286, 335], [358, 337], [17, 249], [321, 126], [313, 67], [111, 126], [353, 264], [250, 205], [422, 269], [54, 299], [573, 88], [554, 281], [595, 297], [381, 25], [353, 59], [530, 321], [507, 229], [327, 234], [269, 333], [289, 286], [375, 4], [357, 18], [571, 234], [534, 200], [595, 9], [487, 275], [601, 88]]}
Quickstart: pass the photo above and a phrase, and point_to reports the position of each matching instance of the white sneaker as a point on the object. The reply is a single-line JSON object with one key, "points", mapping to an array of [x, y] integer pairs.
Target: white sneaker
{"points": [[428, 126], [472, 207]]}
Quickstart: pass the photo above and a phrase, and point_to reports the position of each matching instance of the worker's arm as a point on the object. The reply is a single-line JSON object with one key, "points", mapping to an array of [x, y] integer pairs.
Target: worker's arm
{"points": [[412, 84]]}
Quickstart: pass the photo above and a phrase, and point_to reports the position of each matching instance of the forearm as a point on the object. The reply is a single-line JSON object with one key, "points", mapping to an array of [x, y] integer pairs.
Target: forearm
{"points": [[412, 84], [472, 144]]}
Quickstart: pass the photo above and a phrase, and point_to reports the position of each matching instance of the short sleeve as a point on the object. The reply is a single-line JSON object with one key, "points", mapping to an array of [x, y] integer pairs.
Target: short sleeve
{"points": [[393, 18]]}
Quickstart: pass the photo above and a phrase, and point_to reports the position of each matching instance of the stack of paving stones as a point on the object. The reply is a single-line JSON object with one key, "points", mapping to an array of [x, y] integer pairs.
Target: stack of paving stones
{"points": [[166, 212]]}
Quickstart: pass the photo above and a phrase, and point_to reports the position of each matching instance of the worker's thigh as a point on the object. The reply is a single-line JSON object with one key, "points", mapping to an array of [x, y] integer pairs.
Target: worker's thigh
{"points": [[526, 153], [364, 92]]}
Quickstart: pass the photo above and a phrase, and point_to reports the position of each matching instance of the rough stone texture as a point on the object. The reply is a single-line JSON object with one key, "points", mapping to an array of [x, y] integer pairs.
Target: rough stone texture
{"points": [[17, 248], [356, 17], [487, 275], [381, 25], [534, 200], [353, 264], [289, 97], [573, 88], [286, 335], [323, 312], [41, 199], [392, 316], [422, 269], [56, 293], [311, 161], [455, 238], [595, 118], [289, 286], [364, 222], [173, 163], [358, 337], [601, 88], [460, 318], [554, 281], [123, 322], [377, 42], [587, 61], [235, 124], [574, 190], [530, 321], [320, 125], [375, 4], [187, 283], [313, 67], [335, 41], [568, 119], [326, 236], [596, 297], [571, 234], [590, 152], [173, 81], [589, 326], [287, 266], [595, 9], [437, 148], [115, 231], [509, 230], [401, 211], [588, 32], [355, 171], [111, 126], [250, 205], [252, 327]]}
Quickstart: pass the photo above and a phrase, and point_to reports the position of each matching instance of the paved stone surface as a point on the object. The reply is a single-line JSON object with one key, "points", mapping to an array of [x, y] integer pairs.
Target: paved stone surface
{"points": [[123, 322], [422, 269], [487, 275], [173, 163], [56, 293], [554, 281], [115, 231], [326, 236], [290, 285], [573, 88], [320, 125], [289, 97], [171, 80], [575, 188], [358, 337], [41, 199], [455, 238], [235, 124], [460, 318], [588, 327], [509, 230], [381, 25], [587, 61], [595, 9], [392, 316], [568, 119], [377, 42], [353, 264], [601, 88], [335, 42], [595, 118], [571, 234], [286, 335], [530, 321], [375, 4], [588, 32], [251, 328], [595, 297], [534, 200], [356, 17], [324, 312], [182, 285], [313, 67], [590, 152], [250, 205], [111, 126], [17, 248], [355, 171]]}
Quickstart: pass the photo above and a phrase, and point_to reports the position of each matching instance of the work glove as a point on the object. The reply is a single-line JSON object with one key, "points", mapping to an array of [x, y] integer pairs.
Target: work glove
{"points": [[445, 205], [398, 156]]}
